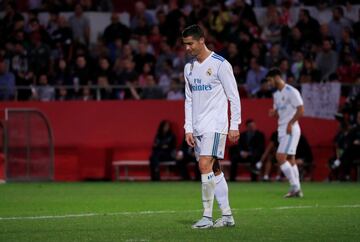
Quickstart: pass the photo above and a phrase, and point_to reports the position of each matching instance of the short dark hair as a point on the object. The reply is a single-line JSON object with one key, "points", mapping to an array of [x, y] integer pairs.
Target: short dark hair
{"points": [[193, 30], [273, 72], [249, 121]]}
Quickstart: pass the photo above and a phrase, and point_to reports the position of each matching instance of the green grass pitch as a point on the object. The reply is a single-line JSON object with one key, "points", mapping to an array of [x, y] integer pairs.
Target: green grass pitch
{"points": [[164, 211]]}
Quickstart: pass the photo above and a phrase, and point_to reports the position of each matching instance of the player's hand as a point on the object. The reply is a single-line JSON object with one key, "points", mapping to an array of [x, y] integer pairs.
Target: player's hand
{"points": [[272, 112], [289, 128], [190, 139], [233, 135]]}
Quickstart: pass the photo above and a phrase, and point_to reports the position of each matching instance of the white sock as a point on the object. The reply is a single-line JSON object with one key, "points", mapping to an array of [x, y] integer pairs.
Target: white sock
{"points": [[289, 173], [221, 194], [297, 176], [208, 191]]}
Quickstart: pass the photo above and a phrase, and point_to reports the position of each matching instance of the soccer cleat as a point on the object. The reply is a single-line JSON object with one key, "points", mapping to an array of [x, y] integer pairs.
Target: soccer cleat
{"points": [[224, 221], [203, 223], [294, 194]]}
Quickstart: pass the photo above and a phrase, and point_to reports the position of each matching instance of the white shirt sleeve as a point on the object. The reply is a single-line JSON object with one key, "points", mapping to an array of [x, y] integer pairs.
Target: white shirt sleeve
{"points": [[226, 77], [188, 107], [296, 99]]}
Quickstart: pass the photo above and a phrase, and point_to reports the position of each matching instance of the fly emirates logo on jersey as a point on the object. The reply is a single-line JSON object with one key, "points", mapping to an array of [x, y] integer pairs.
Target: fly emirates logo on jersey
{"points": [[198, 86]]}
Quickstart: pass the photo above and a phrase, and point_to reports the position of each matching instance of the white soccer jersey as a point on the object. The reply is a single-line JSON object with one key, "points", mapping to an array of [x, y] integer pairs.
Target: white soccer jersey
{"points": [[286, 102], [208, 87]]}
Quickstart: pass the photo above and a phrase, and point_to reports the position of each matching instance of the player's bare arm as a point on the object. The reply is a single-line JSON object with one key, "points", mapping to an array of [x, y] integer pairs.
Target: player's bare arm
{"points": [[298, 114], [190, 139], [273, 113]]}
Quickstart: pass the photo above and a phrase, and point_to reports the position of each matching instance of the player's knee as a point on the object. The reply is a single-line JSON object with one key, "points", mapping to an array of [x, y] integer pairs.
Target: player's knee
{"points": [[281, 158], [205, 165]]}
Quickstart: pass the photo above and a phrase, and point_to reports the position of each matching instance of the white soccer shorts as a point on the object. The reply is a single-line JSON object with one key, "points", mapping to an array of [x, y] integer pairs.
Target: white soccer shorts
{"points": [[288, 143], [210, 144]]}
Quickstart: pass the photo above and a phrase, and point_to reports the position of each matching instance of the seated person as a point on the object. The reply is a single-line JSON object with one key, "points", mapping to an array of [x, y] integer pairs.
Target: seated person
{"points": [[268, 159], [184, 156], [163, 149], [352, 149], [340, 144], [304, 157], [249, 149]]}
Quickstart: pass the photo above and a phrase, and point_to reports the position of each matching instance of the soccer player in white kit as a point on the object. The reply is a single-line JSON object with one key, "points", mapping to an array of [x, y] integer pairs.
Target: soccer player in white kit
{"points": [[288, 107], [209, 85]]}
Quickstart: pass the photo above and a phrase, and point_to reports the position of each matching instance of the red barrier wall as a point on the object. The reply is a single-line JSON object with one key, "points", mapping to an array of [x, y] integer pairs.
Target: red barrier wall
{"points": [[89, 135]]}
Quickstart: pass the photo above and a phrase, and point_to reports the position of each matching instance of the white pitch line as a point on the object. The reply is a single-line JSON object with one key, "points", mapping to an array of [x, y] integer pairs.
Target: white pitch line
{"points": [[168, 212]]}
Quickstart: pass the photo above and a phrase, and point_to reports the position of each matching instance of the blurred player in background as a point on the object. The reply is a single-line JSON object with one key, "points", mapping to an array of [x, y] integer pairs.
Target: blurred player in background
{"points": [[288, 108]]}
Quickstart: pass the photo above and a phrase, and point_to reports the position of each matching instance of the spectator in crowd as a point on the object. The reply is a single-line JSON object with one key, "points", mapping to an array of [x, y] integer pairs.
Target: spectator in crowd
{"points": [[141, 15], [165, 54], [62, 94], [62, 73], [272, 31], [165, 77], [184, 156], [265, 90], [7, 82], [86, 94], [176, 90], [39, 55], [297, 64], [104, 6], [248, 150], [323, 12], [325, 35], [81, 75], [285, 69], [163, 149], [10, 18], [43, 91], [80, 26], [116, 30], [232, 54], [254, 76], [349, 70], [309, 73], [62, 38], [104, 69], [338, 23], [174, 20], [296, 41], [142, 79], [104, 91], [308, 26], [326, 60], [218, 20], [356, 28], [53, 22], [152, 90], [347, 45], [143, 57], [274, 55]]}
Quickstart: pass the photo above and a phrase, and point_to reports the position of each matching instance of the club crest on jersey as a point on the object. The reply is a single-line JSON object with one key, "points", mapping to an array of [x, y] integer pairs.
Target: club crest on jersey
{"points": [[209, 72]]}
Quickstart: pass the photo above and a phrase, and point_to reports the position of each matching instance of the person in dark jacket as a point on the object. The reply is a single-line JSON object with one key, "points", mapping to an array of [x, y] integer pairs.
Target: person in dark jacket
{"points": [[249, 149], [164, 148]]}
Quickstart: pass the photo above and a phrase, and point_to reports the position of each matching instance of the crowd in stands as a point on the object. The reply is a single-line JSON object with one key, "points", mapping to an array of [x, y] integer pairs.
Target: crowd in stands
{"points": [[145, 59]]}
